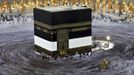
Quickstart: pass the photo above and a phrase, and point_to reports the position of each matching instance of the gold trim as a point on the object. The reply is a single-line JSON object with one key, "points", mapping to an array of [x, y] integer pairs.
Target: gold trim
{"points": [[61, 26], [79, 29], [38, 28], [45, 30]]}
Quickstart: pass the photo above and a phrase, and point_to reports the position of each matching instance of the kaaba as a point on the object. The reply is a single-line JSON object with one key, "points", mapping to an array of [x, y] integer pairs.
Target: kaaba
{"points": [[62, 30]]}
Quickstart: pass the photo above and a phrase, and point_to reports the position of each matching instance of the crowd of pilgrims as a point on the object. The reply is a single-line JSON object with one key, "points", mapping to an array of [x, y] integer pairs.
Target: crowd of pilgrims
{"points": [[70, 55], [13, 18]]}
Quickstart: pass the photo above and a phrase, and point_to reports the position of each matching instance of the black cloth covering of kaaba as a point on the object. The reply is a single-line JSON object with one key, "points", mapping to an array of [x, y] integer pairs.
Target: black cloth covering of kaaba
{"points": [[62, 17]]}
